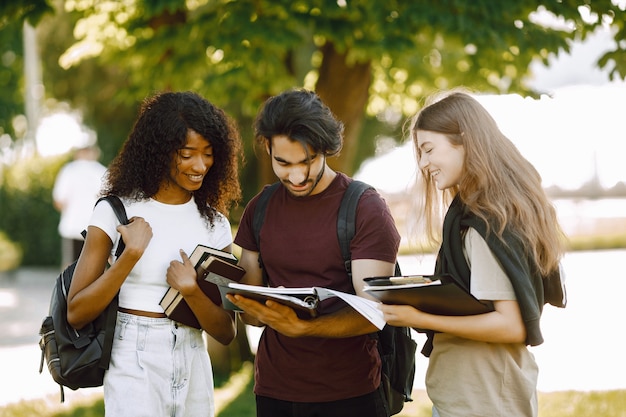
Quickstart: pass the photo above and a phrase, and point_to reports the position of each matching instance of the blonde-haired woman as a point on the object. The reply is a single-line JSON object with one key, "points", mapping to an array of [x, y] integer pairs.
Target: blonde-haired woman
{"points": [[500, 241]]}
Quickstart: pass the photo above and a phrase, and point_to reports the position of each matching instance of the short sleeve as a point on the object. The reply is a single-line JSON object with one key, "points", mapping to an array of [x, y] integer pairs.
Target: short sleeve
{"points": [[222, 233], [488, 281], [376, 235], [245, 232], [103, 217]]}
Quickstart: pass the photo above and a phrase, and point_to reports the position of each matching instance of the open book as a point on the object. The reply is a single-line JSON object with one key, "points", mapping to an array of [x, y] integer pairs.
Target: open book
{"points": [[434, 294], [305, 301], [211, 265]]}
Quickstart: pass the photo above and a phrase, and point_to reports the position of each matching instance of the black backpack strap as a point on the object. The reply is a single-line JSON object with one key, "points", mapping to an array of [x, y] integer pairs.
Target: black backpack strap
{"points": [[395, 345], [259, 218], [346, 219], [120, 212], [111, 317], [346, 222]]}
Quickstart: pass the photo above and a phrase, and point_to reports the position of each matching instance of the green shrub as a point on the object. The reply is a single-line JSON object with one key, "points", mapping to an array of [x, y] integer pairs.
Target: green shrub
{"points": [[28, 215], [10, 253]]}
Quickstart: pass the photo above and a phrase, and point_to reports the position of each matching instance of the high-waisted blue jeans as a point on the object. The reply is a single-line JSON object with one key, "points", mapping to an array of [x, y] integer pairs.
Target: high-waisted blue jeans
{"points": [[158, 368]]}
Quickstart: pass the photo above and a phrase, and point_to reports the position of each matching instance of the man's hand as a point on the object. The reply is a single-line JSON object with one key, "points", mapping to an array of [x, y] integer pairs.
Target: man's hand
{"points": [[279, 317]]}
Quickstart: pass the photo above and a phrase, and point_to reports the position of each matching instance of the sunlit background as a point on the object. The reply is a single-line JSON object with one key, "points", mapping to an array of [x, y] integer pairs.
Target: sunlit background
{"points": [[59, 132], [573, 133], [574, 136]]}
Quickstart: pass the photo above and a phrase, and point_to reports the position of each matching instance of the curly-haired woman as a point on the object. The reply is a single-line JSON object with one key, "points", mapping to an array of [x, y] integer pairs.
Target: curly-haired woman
{"points": [[500, 241], [177, 175]]}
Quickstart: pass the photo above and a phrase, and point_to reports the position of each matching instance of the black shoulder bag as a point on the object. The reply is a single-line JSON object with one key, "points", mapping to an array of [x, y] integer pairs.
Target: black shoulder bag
{"points": [[78, 358]]}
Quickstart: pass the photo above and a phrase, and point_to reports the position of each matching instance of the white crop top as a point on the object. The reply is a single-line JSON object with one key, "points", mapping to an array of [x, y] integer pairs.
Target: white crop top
{"points": [[174, 227]]}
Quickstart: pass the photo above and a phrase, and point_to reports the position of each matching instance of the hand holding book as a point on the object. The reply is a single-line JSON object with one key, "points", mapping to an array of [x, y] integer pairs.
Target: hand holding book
{"points": [[211, 265], [305, 301], [434, 294]]}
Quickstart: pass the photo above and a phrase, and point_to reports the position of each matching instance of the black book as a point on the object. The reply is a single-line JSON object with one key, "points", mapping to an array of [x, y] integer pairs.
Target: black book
{"points": [[305, 301], [434, 294]]}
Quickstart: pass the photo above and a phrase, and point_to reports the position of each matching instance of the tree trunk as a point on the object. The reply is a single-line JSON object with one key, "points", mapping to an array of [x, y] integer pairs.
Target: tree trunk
{"points": [[267, 173], [344, 88]]}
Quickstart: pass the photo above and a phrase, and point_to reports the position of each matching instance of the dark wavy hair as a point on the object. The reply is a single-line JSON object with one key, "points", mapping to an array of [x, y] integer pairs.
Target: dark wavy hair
{"points": [[160, 130], [301, 116]]}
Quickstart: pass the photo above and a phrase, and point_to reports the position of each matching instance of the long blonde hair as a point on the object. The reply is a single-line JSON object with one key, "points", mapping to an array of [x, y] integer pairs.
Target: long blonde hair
{"points": [[498, 184]]}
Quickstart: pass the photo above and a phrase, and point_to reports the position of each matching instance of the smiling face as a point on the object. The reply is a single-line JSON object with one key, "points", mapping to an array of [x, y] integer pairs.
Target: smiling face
{"points": [[301, 173], [442, 160], [189, 166]]}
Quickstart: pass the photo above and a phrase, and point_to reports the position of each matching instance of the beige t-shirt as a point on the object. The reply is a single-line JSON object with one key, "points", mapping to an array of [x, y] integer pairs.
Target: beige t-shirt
{"points": [[467, 378]]}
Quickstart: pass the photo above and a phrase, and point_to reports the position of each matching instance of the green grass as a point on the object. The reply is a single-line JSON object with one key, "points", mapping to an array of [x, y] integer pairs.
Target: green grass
{"points": [[50, 408], [597, 242], [551, 404], [235, 399], [583, 404]]}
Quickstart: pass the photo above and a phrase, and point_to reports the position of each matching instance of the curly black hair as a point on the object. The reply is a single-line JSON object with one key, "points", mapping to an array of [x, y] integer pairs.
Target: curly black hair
{"points": [[160, 130]]}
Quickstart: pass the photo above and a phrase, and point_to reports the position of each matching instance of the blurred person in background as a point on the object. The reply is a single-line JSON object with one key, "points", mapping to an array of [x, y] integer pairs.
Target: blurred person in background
{"points": [[74, 195]]}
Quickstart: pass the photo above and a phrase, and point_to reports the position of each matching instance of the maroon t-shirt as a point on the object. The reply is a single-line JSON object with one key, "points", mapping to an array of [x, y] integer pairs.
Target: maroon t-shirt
{"points": [[300, 249]]}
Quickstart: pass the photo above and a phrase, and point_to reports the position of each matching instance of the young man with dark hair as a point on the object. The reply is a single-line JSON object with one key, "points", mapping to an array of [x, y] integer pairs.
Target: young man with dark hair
{"points": [[328, 365]]}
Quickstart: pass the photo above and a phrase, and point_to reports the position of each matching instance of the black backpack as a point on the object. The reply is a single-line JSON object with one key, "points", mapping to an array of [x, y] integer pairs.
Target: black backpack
{"points": [[395, 344], [78, 358]]}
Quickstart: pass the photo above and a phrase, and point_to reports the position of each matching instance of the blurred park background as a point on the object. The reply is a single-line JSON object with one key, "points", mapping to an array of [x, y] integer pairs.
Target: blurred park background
{"points": [[73, 72]]}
